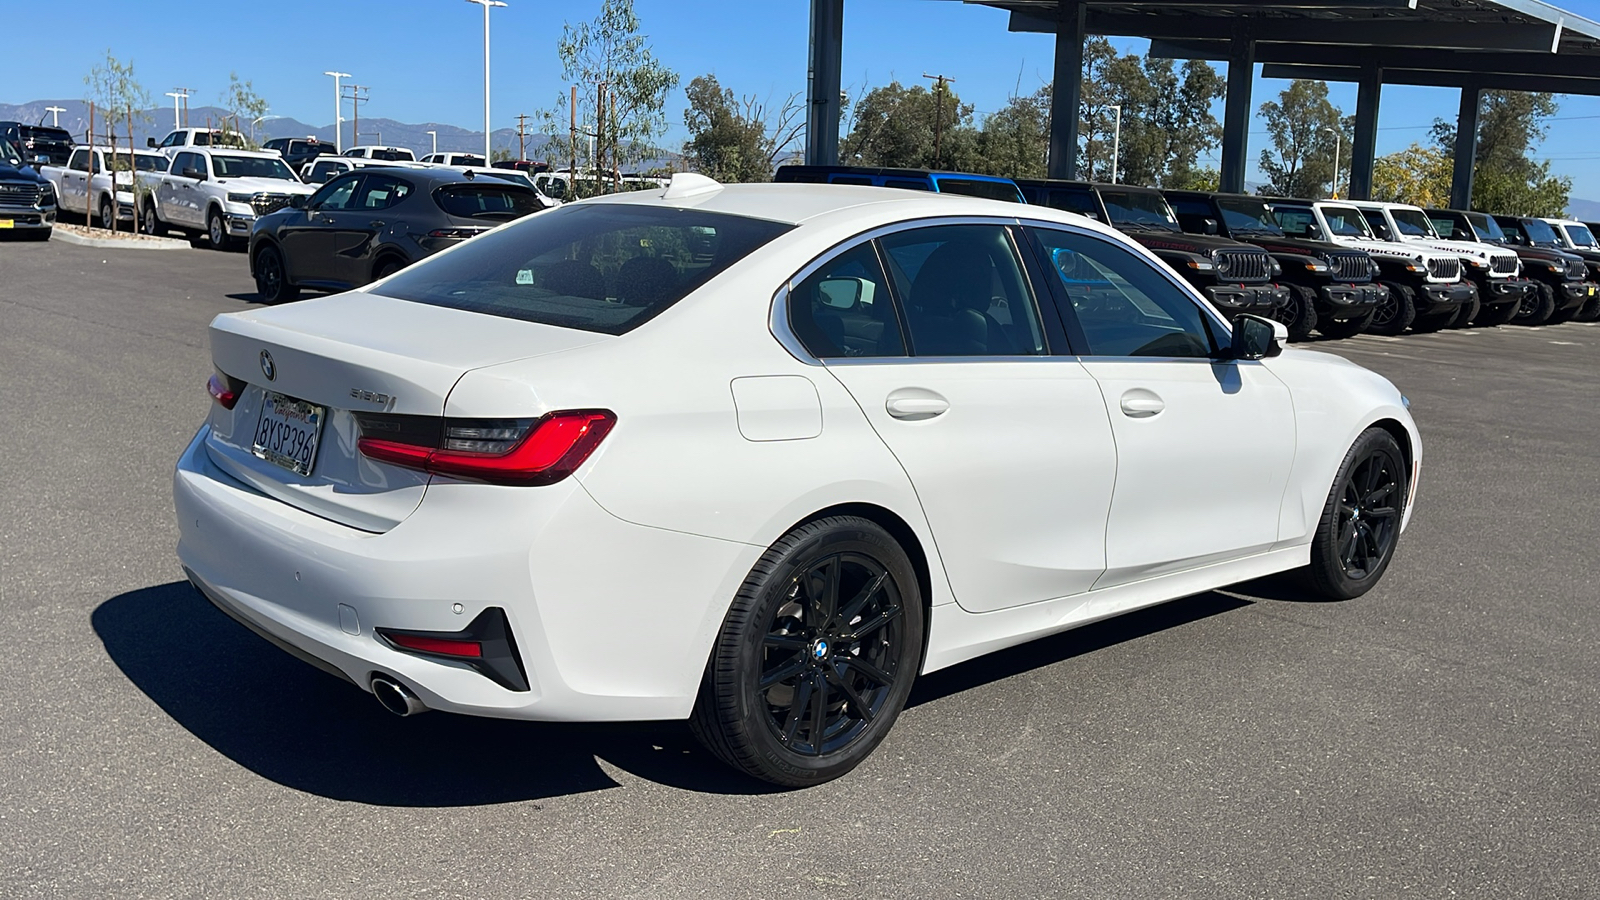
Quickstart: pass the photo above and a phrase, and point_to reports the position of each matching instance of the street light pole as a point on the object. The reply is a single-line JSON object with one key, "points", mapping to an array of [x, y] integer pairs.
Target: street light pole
{"points": [[1337, 138], [255, 122], [338, 130], [486, 4], [55, 115], [176, 96], [435, 136], [1116, 142]]}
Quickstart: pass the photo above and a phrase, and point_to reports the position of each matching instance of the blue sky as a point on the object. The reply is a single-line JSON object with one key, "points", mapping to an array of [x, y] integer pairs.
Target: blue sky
{"points": [[423, 58]]}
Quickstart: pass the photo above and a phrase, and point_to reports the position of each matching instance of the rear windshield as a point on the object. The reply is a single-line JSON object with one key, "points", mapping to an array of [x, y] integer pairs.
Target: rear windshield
{"points": [[501, 202], [605, 267], [40, 133], [391, 155], [988, 190]]}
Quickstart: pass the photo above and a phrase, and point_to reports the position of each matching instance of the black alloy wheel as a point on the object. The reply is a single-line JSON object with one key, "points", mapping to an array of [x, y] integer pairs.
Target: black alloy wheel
{"points": [[1360, 524], [1395, 314], [816, 656], [1537, 307], [272, 281], [386, 267], [1344, 328], [1299, 313]]}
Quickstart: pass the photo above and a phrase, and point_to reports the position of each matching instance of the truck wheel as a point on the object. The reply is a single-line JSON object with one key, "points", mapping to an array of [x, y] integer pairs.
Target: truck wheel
{"points": [[1299, 314], [1537, 307], [1564, 315], [107, 213], [1464, 316], [1590, 311], [1343, 328], [1396, 314], [152, 222], [216, 231], [1433, 322], [1497, 315]]}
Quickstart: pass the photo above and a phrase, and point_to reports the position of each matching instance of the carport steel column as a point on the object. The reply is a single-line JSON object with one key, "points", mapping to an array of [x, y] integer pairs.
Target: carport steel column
{"points": [[1236, 114], [1067, 93], [1466, 147], [1364, 148], [823, 82]]}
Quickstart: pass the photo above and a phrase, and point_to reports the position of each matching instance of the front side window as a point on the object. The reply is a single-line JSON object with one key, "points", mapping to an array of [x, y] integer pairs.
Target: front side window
{"points": [[175, 139], [251, 167], [1581, 236], [1122, 305], [187, 163], [1379, 225], [80, 161], [845, 308], [1140, 210], [606, 267], [381, 192], [964, 291]]}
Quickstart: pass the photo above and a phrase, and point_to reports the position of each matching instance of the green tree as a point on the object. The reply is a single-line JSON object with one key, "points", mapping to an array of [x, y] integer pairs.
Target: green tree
{"points": [[736, 140], [1301, 123], [243, 103], [1505, 178], [622, 89], [1418, 175], [116, 92], [894, 126], [1015, 140]]}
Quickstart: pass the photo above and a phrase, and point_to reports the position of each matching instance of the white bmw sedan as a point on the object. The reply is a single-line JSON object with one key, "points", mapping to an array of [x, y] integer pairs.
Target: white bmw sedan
{"points": [[757, 455]]}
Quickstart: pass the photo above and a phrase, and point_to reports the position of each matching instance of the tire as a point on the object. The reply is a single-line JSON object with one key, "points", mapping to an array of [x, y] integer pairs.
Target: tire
{"points": [[1299, 315], [386, 267], [1433, 322], [216, 236], [1355, 539], [1396, 314], [1466, 314], [152, 222], [1537, 307], [786, 627], [1491, 316], [1564, 315], [107, 213], [1590, 311], [272, 278], [1344, 328]]}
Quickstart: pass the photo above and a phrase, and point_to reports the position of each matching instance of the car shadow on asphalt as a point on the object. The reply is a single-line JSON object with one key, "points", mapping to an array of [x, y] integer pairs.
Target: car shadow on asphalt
{"points": [[293, 724], [251, 297]]}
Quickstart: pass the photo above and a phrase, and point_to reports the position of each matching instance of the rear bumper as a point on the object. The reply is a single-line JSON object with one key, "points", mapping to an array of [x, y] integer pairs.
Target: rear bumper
{"points": [[1432, 298], [1343, 301], [1237, 299], [600, 633]]}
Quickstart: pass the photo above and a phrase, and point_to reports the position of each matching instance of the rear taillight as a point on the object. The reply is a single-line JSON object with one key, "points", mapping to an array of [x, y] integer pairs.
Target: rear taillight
{"points": [[224, 389], [457, 233], [500, 451]]}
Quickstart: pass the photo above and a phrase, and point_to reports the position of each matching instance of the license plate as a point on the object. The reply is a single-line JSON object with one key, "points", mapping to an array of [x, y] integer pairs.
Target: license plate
{"points": [[7, 223], [287, 432]]}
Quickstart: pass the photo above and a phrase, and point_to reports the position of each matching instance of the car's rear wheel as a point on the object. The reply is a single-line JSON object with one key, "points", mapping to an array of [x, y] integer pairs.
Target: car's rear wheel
{"points": [[816, 656], [1360, 524], [1395, 314], [1537, 307], [386, 267], [1299, 314], [1343, 328], [108, 213], [272, 279]]}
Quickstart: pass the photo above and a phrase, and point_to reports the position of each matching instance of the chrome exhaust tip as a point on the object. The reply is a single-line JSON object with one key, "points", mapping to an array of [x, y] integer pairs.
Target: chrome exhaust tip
{"points": [[396, 697]]}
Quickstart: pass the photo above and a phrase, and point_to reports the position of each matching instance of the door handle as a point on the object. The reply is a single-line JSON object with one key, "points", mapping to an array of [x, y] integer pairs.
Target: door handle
{"points": [[915, 404], [1140, 403], [375, 223]]}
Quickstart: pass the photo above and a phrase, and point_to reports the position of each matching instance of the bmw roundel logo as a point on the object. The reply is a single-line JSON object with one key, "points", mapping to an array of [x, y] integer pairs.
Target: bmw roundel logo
{"points": [[267, 368], [820, 651]]}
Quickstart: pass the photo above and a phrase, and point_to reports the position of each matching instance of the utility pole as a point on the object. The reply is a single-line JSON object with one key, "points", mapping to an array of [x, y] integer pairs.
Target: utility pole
{"points": [[938, 113], [1116, 142], [357, 95], [487, 135], [522, 133], [185, 92], [572, 174], [338, 117], [435, 136], [55, 115]]}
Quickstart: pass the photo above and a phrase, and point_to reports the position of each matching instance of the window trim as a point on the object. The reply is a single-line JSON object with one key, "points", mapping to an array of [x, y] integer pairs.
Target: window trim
{"points": [[1222, 331], [1056, 345]]}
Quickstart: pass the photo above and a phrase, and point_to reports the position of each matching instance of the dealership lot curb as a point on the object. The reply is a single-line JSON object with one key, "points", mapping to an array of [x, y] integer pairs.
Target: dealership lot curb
{"points": [[147, 243]]}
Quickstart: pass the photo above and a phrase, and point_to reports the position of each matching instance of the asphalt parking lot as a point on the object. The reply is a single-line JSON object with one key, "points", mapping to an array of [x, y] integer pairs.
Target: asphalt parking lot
{"points": [[1439, 737]]}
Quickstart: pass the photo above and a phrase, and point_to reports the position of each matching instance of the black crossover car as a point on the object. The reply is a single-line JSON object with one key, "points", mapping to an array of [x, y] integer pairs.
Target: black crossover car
{"points": [[372, 222]]}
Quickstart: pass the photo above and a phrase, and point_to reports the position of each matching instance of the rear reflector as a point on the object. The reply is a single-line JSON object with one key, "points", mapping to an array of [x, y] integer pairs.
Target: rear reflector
{"points": [[503, 451], [486, 646], [224, 390], [436, 645]]}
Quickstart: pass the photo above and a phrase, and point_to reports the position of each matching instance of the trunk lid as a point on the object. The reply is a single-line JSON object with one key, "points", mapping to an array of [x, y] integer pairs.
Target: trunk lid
{"points": [[350, 354]]}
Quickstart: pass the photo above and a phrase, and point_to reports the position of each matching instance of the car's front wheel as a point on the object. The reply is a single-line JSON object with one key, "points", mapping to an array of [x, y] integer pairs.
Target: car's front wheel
{"points": [[1395, 314], [272, 280], [216, 231], [1537, 307], [1360, 524], [816, 656], [1299, 314]]}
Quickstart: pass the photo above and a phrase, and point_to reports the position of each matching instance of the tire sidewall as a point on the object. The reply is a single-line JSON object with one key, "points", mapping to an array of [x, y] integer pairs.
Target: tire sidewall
{"points": [[1327, 566], [215, 227], [269, 256]]}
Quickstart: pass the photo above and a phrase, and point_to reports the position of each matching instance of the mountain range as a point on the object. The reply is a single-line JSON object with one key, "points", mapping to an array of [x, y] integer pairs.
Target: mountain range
{"points": [[156, 122]]}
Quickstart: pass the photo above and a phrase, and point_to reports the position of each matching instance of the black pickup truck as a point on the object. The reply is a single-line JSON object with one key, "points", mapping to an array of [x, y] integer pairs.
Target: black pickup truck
{"points": [[1562, 276], [1237, 278], [1328, 283]]}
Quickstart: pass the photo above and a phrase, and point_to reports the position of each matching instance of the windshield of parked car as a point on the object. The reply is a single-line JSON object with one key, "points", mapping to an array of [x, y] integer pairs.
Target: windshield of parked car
{"points": [[1244, 215], [1581, 237], [1297, 221], [251, 167], [605, 267], [391, 155], [1345, 221], [1540, 233], [1141, 210], [1413, 223], [1487, 227], [217, 139]]}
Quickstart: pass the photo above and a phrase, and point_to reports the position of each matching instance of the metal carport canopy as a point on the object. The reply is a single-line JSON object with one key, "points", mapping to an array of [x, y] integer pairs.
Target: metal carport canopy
{"points": [[1473, 45]]}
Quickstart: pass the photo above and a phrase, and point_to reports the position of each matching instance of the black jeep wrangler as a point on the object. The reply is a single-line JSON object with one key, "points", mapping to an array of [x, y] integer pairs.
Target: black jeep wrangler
{"points": [[1500, 299], [1237, 278], [1564, 290], [1327, 283]]}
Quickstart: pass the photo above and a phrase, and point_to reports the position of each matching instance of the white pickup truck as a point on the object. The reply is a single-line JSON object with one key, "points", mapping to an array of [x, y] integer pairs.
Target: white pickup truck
{"points": [[78, 192], [189, 138], [218, 193]]}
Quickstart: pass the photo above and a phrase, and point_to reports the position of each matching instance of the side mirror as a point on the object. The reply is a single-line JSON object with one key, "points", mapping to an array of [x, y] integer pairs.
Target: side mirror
{"points": [[1257, 338], [298, 201], [845, 293], [192, 172], [149, 142], [1210, 226]]}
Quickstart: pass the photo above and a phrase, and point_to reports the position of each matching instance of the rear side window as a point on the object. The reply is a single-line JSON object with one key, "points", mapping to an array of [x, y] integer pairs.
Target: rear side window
{"points": [[382, 192], [605, 267], [1297, 222], [1379, 226], [845, 308], [495, 201]]}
